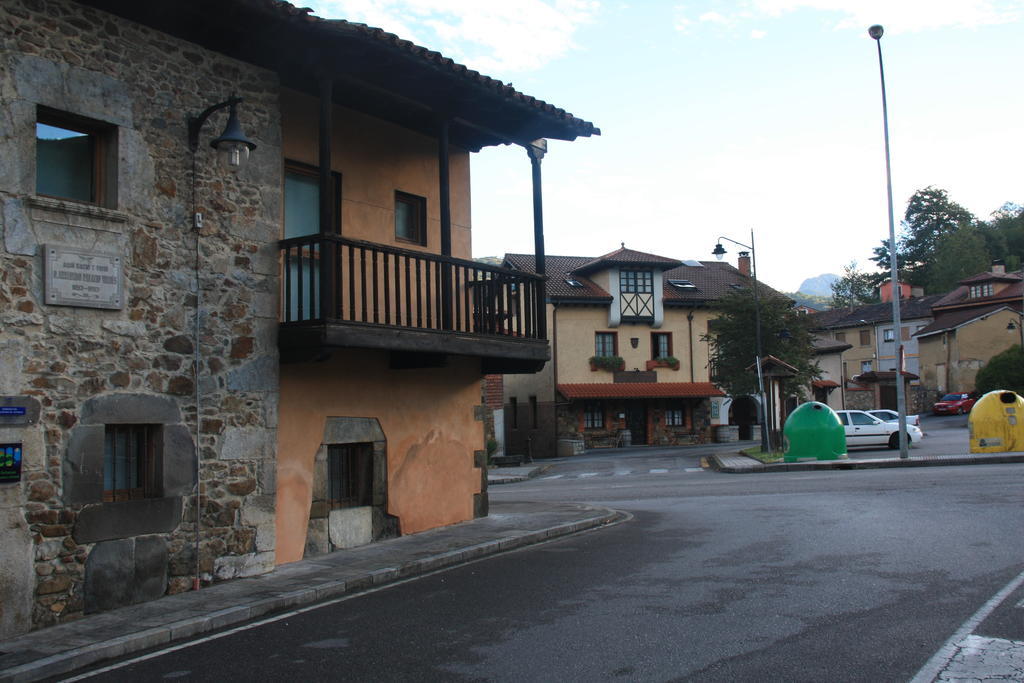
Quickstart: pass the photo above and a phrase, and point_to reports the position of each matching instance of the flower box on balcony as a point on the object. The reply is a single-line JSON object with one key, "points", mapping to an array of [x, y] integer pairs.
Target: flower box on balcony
{"points": [[612, 363], [666, 362]]}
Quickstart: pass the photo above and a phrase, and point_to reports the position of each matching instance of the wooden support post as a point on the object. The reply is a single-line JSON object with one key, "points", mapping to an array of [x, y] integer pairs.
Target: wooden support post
{"points": [[536, 150], [328, 269], [444, 181]]}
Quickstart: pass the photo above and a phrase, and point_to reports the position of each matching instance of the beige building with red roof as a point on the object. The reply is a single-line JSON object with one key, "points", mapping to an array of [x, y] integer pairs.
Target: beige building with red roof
{"points": [[976, 321], [628, 361]]}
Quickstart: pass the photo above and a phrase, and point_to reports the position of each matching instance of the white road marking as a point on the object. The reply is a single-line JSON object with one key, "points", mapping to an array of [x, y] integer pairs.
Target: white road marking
{"points": [[935, 666], [588, 474], [694, 469], [622, 473], [554, 476], [659, 471]]}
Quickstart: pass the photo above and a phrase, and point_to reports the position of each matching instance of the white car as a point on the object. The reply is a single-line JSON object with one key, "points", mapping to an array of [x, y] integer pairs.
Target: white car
{"points": [[893, 416], [863, 429]]}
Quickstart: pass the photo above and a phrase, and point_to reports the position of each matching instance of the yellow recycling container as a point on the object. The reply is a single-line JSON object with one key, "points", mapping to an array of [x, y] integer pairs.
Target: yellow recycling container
{"points": [[996, 423], [813, 432]]}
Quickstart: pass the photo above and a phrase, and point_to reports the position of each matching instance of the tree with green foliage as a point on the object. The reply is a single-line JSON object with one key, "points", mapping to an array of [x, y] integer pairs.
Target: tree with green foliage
{"points": [[930, 216], [785, 334], [1004, 234], [853, 288], [958, 255], [1003, 371]]}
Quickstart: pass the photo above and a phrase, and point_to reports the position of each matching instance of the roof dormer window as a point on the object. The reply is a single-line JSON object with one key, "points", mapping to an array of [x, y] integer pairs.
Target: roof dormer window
{"points": [[573, 282], [979, 291], [636, 282]]}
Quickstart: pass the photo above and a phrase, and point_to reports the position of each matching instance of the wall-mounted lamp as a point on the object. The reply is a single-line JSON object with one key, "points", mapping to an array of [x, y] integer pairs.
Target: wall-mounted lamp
{"points": [[233, 149], [232, 146]]}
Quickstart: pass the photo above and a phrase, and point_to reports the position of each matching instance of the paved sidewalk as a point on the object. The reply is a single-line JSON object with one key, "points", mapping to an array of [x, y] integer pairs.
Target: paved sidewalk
{"points": [[736, 463], [68, 647], [512, 475]]}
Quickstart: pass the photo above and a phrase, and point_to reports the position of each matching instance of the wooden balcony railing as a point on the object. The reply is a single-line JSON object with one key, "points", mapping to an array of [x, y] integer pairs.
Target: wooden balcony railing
{"points": [[329, 279]]}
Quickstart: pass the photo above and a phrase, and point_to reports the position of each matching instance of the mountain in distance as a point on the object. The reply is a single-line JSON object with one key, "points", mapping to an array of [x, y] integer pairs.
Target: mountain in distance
{"points": [[819, 286], [813, 301]]}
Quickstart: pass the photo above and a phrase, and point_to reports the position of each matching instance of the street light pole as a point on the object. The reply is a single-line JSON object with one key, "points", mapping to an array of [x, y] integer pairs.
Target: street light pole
{"points": [[901, 409], [719, 252]]}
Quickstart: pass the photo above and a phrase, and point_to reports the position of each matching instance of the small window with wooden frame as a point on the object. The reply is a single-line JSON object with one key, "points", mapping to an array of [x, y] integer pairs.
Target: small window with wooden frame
{"points": [[76, 158], [675, 415], [130, 462], [410, 218], [593, 415], [606, 344], [661, 345], [349, 475]]}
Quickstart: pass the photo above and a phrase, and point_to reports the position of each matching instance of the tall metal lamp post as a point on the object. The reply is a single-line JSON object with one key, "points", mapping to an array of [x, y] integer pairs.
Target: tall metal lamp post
{"points": [[901, 406], [719, 252]]}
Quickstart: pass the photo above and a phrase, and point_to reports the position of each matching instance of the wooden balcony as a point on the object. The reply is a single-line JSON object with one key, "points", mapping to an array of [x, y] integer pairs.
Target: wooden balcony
{"points": [[342, 293]]}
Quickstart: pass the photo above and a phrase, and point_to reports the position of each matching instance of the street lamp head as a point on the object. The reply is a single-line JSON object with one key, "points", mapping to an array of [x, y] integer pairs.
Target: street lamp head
{"points": [[876, 31], [232, 146], [719, 251]]}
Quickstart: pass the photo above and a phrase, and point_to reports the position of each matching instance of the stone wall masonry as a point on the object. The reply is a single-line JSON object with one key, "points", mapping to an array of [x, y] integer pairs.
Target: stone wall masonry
{"points": [[75, 59]]}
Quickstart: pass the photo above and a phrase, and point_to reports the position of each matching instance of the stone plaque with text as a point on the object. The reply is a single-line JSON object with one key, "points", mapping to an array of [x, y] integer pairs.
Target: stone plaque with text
{"points": [[77, 277]]}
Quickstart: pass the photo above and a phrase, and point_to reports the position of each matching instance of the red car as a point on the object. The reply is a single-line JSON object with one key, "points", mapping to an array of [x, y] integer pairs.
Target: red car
{"points": [[954, 404]]}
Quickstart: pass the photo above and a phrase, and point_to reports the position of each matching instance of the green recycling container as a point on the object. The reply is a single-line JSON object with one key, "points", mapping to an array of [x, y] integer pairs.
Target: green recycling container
{"points": [[996, 423], [813, 432]]}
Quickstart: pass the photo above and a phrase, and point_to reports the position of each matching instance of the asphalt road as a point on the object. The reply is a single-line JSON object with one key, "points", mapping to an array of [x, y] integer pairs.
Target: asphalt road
{"points": [[804, 576]]}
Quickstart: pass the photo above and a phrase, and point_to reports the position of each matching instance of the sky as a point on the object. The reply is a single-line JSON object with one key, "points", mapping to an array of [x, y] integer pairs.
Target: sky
{"points": [[719, 118]]}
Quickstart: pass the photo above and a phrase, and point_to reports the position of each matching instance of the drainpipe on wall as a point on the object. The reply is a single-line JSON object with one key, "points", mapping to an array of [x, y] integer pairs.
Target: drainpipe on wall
{"points": [[197, 228], [689, 325], [554, 373]]}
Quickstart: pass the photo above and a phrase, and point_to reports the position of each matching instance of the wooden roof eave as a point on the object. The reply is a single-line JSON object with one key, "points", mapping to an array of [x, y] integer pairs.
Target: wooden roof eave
{"points": [[384, 76]]}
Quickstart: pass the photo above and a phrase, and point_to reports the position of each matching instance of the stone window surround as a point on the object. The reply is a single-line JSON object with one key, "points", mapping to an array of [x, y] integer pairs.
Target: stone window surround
{"points": [[83, 468], [351, 430]]}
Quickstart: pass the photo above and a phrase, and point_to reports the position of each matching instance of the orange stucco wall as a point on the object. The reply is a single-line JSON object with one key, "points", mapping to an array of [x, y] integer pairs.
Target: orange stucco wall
{"points": [[375, 158], [428, 420]]}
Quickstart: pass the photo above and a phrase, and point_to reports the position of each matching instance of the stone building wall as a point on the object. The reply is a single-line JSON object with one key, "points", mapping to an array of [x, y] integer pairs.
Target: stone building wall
{"points": [[87, 367]]}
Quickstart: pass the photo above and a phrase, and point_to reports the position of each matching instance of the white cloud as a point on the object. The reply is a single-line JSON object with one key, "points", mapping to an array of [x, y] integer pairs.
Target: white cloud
{"points": [[757, 34], [713, 18], [492, 37], [902, 16], [898, 16]]}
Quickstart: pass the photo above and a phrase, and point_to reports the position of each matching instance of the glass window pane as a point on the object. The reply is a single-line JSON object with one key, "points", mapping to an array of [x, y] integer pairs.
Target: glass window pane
{"points": [[65, 163], [405, 221], [108, 461], [301, 205]]}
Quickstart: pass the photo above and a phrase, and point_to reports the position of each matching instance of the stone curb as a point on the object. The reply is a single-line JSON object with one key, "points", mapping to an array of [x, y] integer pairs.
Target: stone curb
{"points": [[515, 479], [736, 467], [94, 653]]}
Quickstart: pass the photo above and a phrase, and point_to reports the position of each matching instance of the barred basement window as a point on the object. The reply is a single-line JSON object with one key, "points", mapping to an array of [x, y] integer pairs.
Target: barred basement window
{"points": [[350, 475], [130, 462]]}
